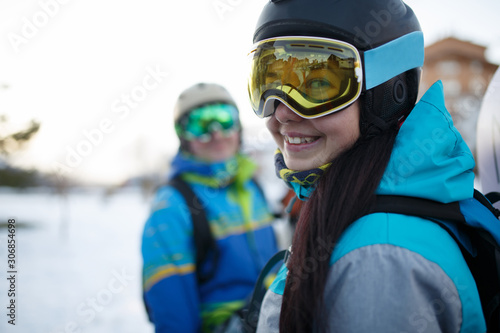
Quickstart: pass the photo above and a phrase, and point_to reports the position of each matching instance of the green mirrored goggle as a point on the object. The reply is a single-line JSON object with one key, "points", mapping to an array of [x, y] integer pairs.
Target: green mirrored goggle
{"points": [[202, 122]]}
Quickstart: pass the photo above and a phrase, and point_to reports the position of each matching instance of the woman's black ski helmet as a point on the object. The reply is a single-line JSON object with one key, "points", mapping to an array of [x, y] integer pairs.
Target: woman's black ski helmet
{"points": [[385, 32]]}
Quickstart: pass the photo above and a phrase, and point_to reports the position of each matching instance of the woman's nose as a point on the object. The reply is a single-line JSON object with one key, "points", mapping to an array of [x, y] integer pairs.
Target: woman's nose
{"points": [[284, 114], [217, 135]]}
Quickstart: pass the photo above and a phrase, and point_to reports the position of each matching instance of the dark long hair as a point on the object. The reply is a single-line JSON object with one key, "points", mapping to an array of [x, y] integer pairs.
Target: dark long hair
{"points": [[344, 193]]}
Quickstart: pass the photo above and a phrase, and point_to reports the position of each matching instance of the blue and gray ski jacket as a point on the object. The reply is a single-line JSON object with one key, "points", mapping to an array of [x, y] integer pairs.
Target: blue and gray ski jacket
{"points": [[398, 273]]}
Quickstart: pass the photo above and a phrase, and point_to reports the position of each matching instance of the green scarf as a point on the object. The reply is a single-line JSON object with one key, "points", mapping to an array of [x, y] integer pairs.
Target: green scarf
{"points": [[218, 174], [235, 171]]}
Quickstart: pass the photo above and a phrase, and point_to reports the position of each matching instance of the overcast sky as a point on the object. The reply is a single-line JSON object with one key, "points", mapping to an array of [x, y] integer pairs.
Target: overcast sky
{"points": [[102, 76]]}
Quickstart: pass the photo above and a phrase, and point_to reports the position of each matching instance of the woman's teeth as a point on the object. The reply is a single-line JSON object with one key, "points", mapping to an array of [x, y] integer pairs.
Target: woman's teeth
{"points": [[299, 140]]}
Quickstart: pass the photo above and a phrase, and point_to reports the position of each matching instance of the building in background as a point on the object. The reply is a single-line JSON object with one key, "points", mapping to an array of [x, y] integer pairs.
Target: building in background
{"points": [[465, 73]]}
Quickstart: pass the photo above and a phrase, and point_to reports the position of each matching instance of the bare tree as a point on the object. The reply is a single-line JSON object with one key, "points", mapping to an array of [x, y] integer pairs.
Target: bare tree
{"points": [[11, 142]]}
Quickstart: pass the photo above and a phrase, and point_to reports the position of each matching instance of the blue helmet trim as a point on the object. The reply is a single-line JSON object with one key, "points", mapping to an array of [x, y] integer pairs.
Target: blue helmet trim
{"points": [[393, 58]]}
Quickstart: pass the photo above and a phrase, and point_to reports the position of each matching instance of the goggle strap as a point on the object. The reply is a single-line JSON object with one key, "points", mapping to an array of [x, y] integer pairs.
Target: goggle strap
{"points": [[393, 58]]}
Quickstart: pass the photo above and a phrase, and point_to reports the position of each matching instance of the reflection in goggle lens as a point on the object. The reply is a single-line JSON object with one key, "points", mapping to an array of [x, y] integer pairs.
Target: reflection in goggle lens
{"points": [[313, 76]]}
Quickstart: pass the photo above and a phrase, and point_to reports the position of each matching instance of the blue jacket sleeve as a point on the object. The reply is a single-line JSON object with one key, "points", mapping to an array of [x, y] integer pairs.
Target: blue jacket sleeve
{"points": [[169, 282]]}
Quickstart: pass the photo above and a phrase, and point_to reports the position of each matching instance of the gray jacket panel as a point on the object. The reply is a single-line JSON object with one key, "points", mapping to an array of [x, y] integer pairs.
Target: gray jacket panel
{"points": [[418, 297]]}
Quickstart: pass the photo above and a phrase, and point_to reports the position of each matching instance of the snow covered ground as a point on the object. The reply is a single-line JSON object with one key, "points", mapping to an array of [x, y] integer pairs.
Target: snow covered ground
{"points": [[77, 259]]}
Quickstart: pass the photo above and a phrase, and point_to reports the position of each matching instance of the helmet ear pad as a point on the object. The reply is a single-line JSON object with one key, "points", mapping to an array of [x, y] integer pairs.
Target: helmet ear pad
{"points": [[390, 101]]}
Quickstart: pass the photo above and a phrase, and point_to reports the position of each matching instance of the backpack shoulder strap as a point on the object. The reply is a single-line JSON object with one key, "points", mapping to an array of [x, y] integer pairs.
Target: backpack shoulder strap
{"points": [[449, 216], [418, 207], [204, 240], [250, 316]]}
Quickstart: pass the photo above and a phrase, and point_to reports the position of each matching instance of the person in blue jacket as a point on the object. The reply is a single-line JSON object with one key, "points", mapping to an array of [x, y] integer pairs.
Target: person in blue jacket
{"points": [[209, 160], [338, 82]]}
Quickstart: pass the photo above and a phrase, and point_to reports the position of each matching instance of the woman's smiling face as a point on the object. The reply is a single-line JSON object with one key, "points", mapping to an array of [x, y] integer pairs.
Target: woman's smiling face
{"points": [[309, 143]]}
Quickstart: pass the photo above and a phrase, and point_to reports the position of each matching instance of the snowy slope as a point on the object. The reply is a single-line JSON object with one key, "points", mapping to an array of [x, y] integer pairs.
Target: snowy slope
{"points": [[78, 262]]}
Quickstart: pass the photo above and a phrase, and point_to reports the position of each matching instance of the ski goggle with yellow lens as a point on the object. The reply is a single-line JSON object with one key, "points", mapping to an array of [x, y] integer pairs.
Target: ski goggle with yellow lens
{"points": [[312, 76], [317, 76], [201, 123]]}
